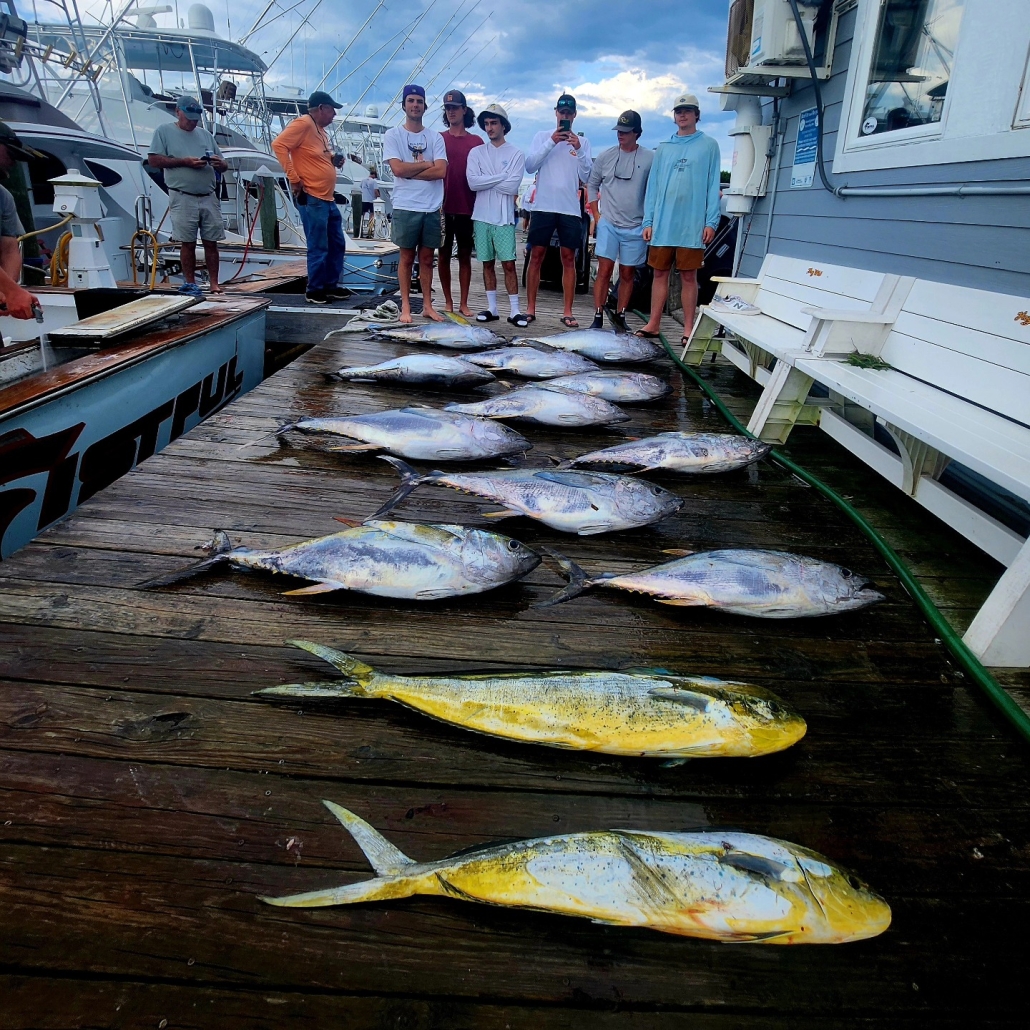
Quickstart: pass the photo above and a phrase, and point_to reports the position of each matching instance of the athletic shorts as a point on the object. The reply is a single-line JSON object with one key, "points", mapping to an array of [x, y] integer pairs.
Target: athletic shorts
{"points": [[687, 259], [544, 224], [494, 242], [191, 214], [413, 229], [457, 228], [367, 207], [626, 246]]}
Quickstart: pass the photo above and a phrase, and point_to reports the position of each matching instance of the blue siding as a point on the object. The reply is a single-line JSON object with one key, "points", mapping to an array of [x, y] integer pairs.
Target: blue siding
{"points": [[983, 242]]}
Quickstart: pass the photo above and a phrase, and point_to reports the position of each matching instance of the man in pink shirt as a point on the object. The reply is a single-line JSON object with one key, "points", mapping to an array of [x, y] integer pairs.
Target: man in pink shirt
{"points": [[458, 199]]}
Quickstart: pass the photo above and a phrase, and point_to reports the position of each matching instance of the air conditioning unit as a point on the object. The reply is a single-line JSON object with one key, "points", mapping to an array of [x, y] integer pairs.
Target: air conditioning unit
{"points": [[774, 32]]}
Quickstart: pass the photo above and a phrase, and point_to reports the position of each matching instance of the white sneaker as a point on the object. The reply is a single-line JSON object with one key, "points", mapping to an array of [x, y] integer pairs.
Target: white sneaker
{"points": [[734, 306]]}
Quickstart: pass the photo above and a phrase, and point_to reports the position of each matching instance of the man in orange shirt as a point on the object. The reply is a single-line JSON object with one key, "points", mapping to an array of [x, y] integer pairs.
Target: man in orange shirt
{"points": [[304, 151]]}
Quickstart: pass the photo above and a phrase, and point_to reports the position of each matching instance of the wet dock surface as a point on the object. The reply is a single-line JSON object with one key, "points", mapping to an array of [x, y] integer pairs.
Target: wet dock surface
{"points": [[147, 798]]}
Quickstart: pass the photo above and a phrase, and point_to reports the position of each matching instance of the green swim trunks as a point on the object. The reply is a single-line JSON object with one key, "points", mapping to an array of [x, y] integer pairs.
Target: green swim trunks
{"points": [[494, 242]]}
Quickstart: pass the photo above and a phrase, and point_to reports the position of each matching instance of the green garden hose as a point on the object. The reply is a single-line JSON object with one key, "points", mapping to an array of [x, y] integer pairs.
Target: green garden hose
{"points": [[961, 653]]}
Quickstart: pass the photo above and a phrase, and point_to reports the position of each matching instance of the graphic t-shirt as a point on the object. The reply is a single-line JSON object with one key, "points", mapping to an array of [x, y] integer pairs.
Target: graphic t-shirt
{"points": [[401, 145], [458, 199]]}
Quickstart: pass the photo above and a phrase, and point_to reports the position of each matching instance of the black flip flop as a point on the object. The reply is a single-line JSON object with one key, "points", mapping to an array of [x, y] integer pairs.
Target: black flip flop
{"points": [[521, 321], [487, 316], [645, 335]]}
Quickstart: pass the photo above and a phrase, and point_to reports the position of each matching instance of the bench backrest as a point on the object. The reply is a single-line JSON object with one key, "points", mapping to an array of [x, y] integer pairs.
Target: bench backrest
{"points": [[790, 284], [972, 343]]}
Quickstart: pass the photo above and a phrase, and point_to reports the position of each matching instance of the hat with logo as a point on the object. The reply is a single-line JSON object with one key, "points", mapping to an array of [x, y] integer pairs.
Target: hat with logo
{"points": [[411, 90], [494, 111], [190, 107], [455, 96], [322, 99], [9, 138], [686, 100], [566, 100], [629, 121]]}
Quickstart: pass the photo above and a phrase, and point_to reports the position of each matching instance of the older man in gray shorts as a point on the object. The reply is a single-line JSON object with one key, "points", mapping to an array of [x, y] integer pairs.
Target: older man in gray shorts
{"points": [[189, 157]]}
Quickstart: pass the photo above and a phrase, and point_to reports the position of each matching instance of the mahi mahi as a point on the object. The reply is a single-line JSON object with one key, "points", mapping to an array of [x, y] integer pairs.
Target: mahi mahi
{"points": [[765, 584], [647, 713], [412, 561], [532, 362], [439, 334], [571, 502], [720, 885], [601, 345], [426, 434], [618, 387], [680, 452], [419, 370], [547, 406]]}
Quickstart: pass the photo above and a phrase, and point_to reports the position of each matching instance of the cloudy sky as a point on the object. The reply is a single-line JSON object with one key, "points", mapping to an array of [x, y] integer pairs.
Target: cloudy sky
{"points": [[611, 54]]}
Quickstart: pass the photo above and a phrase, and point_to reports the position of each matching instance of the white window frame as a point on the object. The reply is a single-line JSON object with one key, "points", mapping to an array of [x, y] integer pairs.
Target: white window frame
{"points": [[1022, 116], [977, 121]]}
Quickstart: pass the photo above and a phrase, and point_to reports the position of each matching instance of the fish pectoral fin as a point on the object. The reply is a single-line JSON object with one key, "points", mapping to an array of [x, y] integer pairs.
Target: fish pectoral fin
{"points": [[315, 588], [504, 513], [690, 698], [356, 447], [679, 552]]}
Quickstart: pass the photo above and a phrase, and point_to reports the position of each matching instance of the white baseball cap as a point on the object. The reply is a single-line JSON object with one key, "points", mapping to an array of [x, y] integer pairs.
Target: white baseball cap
{"points": [[686, 100]]}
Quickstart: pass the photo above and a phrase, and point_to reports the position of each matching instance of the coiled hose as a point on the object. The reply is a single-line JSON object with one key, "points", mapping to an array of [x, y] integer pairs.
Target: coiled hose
{"points": [[968, 661]]}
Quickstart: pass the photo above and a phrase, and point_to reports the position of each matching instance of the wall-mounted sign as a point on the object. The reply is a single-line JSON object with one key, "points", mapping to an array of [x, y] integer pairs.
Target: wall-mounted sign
{"points": [[802, 174]]}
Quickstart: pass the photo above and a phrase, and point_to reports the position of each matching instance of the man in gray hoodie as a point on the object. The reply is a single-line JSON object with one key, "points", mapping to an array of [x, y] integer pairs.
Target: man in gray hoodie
{"points": [[620, 173]]}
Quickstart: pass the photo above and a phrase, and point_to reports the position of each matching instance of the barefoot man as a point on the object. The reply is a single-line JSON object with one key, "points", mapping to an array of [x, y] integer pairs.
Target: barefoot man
{"points": [[419, 161]]}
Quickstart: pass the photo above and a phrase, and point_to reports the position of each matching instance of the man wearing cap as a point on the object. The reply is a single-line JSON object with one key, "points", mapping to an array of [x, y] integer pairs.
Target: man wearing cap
{"points": [[458, 199], [369, 196], [418, 159], [188, 156], [621, 174], [495, 174], [561, 160], [310, 162], [17, 301], [681, 210]]}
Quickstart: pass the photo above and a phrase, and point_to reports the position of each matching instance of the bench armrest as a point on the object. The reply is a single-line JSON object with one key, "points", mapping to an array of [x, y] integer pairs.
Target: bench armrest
{"points": [[844, 315], [732, 279]]}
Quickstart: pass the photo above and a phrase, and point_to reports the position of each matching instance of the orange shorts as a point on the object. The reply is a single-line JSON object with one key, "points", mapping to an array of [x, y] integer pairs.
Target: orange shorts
{"points": [[687, 258]]}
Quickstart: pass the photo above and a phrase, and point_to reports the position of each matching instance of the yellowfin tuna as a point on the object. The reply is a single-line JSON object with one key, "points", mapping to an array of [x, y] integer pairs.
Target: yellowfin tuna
{"points": [[720, 885], [641, 712]]}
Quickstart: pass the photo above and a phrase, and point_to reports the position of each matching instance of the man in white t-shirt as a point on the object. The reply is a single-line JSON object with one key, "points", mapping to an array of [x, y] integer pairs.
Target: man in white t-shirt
{"points": [[369, 194], [561, 160], [418, 159], [495, 173]]}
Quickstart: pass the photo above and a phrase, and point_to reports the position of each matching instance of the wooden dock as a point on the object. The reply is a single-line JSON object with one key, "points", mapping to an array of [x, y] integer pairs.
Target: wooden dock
{"points": [[147, 798]]}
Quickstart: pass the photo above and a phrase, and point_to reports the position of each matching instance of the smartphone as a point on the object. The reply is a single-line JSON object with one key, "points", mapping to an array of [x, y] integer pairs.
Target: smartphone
{"points": [[564, 125]]}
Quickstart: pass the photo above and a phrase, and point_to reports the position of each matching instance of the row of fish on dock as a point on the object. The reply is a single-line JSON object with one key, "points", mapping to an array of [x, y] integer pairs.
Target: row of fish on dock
{"points": [[727, 886]]}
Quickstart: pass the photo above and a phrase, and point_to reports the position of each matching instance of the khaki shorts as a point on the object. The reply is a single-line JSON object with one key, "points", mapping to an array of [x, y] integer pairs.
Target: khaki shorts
{"points": [[191, 214], [687, 259]]}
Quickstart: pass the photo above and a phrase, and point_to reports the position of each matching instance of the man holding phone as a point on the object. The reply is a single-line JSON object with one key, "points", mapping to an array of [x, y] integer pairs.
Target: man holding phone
{"points": [[310, 163], [561, 160], [188, 156]]}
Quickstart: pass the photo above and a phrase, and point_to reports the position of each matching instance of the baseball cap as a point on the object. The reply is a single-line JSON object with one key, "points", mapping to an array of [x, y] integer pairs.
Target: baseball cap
{"points": [[412, 90], [686, 100], [455, 96], [9, 138], [629, 121], [190, 107], [320, 97], [494, 111], [567, 100]]}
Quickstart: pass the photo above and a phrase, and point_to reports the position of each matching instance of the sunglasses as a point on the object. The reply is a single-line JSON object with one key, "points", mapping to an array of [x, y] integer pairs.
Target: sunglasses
{"points": [[453, 107]]}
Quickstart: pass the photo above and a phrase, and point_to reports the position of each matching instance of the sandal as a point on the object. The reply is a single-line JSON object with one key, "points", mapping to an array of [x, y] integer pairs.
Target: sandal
{"points": [[521, 321], [645, 335], [487, 316], [569, 321], [530, 319]]}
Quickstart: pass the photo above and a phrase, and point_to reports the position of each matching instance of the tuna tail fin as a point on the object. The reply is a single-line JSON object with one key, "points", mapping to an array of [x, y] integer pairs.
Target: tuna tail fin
{"points": [[384, 858], [218, 549], [410, 478], [338, 659], [578, 580]]}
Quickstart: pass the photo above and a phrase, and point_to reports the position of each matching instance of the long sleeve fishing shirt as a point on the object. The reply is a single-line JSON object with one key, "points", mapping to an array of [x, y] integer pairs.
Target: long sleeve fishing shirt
{"points": [[682, 195], [495, 174], [303, 149], [622, 179], [559, 171]]}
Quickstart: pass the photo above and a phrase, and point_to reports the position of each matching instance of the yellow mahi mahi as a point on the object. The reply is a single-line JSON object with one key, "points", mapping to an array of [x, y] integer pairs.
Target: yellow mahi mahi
{"points": [[720, 885], [642, 712]]}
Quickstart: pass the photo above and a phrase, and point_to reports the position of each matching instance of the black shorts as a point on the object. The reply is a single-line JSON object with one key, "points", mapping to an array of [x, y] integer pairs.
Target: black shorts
{"points": [[457, 228], [367, 207], [543, 224]]}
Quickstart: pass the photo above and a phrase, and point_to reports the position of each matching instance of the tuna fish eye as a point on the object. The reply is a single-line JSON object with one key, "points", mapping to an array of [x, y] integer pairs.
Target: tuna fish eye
{"points": [[846, 573], [513, 545], [657, 491]]}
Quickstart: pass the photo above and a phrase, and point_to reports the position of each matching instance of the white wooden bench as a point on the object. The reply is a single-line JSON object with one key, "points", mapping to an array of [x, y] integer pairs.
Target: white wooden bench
{"points": [[958, 390]]}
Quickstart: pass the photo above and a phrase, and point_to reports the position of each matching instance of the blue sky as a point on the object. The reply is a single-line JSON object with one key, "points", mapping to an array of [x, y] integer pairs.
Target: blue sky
{"points": [[612, 55]]}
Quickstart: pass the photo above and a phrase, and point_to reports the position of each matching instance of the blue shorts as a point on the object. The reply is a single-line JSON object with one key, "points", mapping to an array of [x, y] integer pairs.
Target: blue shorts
{"points": [[625, 245]]}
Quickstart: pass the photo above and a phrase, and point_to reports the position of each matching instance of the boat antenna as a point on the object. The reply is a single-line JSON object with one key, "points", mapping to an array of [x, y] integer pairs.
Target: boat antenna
{"points": [[353, 40]]}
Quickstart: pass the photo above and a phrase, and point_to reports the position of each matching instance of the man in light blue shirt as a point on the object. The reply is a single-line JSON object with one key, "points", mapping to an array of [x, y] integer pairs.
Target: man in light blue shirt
{"points": [[681, 211]]}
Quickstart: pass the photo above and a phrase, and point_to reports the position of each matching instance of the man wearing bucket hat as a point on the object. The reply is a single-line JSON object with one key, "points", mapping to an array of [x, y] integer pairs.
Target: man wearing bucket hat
{"points": [[16, 300], [620, 173], [188, 156], [418, 159], [458, 199], [304, 150], [681, 210], [495, 174]]}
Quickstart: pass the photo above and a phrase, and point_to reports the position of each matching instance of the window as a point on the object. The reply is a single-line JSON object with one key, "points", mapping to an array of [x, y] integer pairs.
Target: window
{"points": [[913, 54]]}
